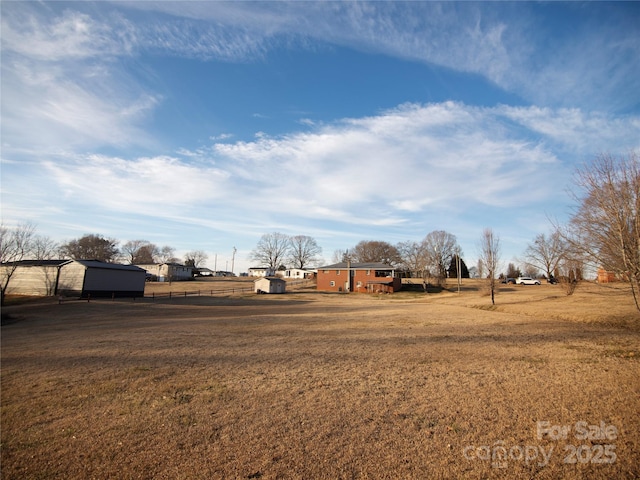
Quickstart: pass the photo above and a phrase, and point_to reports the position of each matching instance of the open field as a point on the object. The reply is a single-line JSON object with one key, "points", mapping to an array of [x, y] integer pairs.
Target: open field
{"points": [[313, 385]]}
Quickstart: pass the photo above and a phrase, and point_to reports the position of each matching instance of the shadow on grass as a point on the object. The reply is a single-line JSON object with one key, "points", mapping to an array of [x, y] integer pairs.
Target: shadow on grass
{"points": [[419, 287], [8, 319]]}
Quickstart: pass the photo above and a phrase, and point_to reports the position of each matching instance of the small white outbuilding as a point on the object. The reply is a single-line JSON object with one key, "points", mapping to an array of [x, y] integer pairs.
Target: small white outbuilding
{"points": [[269, 285]]}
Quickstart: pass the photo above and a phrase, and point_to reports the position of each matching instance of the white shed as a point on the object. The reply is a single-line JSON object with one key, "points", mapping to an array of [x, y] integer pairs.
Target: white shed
{"points": [[269, 285], [74, 277], [99, 279]]}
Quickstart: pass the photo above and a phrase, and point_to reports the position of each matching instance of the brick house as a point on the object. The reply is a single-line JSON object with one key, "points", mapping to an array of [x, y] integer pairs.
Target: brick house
{"points": [[605, 276], [358, 277]]}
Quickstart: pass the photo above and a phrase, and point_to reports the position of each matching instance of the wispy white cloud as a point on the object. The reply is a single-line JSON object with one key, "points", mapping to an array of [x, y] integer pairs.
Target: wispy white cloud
{"points": [[412, 168], [512, 45], [508, 44], [222, 136], [577, 131], [61, 88], [36, 32], [378, 170], [63, 111], [155, 186]]}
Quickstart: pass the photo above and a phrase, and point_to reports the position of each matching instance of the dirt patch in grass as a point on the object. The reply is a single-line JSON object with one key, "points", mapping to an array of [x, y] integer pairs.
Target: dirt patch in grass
{"points": [[312, 385]]}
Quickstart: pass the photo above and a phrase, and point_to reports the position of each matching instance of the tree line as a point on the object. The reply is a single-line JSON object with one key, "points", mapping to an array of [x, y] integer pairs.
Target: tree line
{"points": [[22, 243]]}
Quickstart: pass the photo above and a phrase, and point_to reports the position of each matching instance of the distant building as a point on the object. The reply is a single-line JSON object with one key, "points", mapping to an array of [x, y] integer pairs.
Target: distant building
{"points": [[167, 272], [297, 273], [261, 272], [358, 277], [605, 276], [203, 272], [269, 285], [221, 273], [81, 278]]}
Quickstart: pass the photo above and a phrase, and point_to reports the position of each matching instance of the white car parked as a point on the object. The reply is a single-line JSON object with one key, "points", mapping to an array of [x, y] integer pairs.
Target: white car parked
{"points": [[527, 281]]}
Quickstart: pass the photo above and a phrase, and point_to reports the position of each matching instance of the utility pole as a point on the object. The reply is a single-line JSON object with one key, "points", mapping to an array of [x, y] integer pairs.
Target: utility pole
{"points": [[233, 258], [348, 271], [459, 274]]}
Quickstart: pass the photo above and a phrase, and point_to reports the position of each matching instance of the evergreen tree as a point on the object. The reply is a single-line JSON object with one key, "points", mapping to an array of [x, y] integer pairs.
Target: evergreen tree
{"points": [[453, 268]]}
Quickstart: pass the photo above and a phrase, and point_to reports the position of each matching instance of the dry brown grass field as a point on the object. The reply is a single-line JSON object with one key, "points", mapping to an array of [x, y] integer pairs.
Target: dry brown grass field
{"points": [[312, 385]]}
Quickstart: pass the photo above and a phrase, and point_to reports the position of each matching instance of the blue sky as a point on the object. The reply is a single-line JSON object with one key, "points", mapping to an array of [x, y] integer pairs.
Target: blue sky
{"points": [[203, 125]]}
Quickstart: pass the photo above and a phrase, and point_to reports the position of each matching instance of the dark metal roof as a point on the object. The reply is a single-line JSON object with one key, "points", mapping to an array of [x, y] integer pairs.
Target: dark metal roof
{"points": [[358, 266], [38, 263], [86, 263], [108, 266]]}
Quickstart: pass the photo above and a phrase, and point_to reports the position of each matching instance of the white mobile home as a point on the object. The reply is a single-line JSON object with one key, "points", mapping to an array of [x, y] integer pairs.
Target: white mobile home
{"points": [[168, 272], [297, 273], [261, 272]]}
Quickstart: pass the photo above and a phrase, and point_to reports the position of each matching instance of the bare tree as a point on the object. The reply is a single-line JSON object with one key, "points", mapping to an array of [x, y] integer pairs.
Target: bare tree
{"points": [[413, 257], [304, 251], [147, 254], [531, 271], [271, 250], [439, 248], [139, 252], [195, 258], [166, 255], [44, 248], [130, 250], [605, 228], [374, 251], [480, 267], [91, 247], [569, 273], [545, 253], [513, 271], [490, 257], [16, 244], [339, 255]]}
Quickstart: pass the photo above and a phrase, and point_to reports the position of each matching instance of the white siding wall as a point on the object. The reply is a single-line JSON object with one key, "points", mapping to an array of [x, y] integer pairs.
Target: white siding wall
{"points": [[71, 278], [269, 286], [32, 280], [178, 272]]}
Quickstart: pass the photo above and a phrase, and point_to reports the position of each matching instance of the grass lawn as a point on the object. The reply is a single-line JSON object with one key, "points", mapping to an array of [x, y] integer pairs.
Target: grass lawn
{"points": [[316, 385]]}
